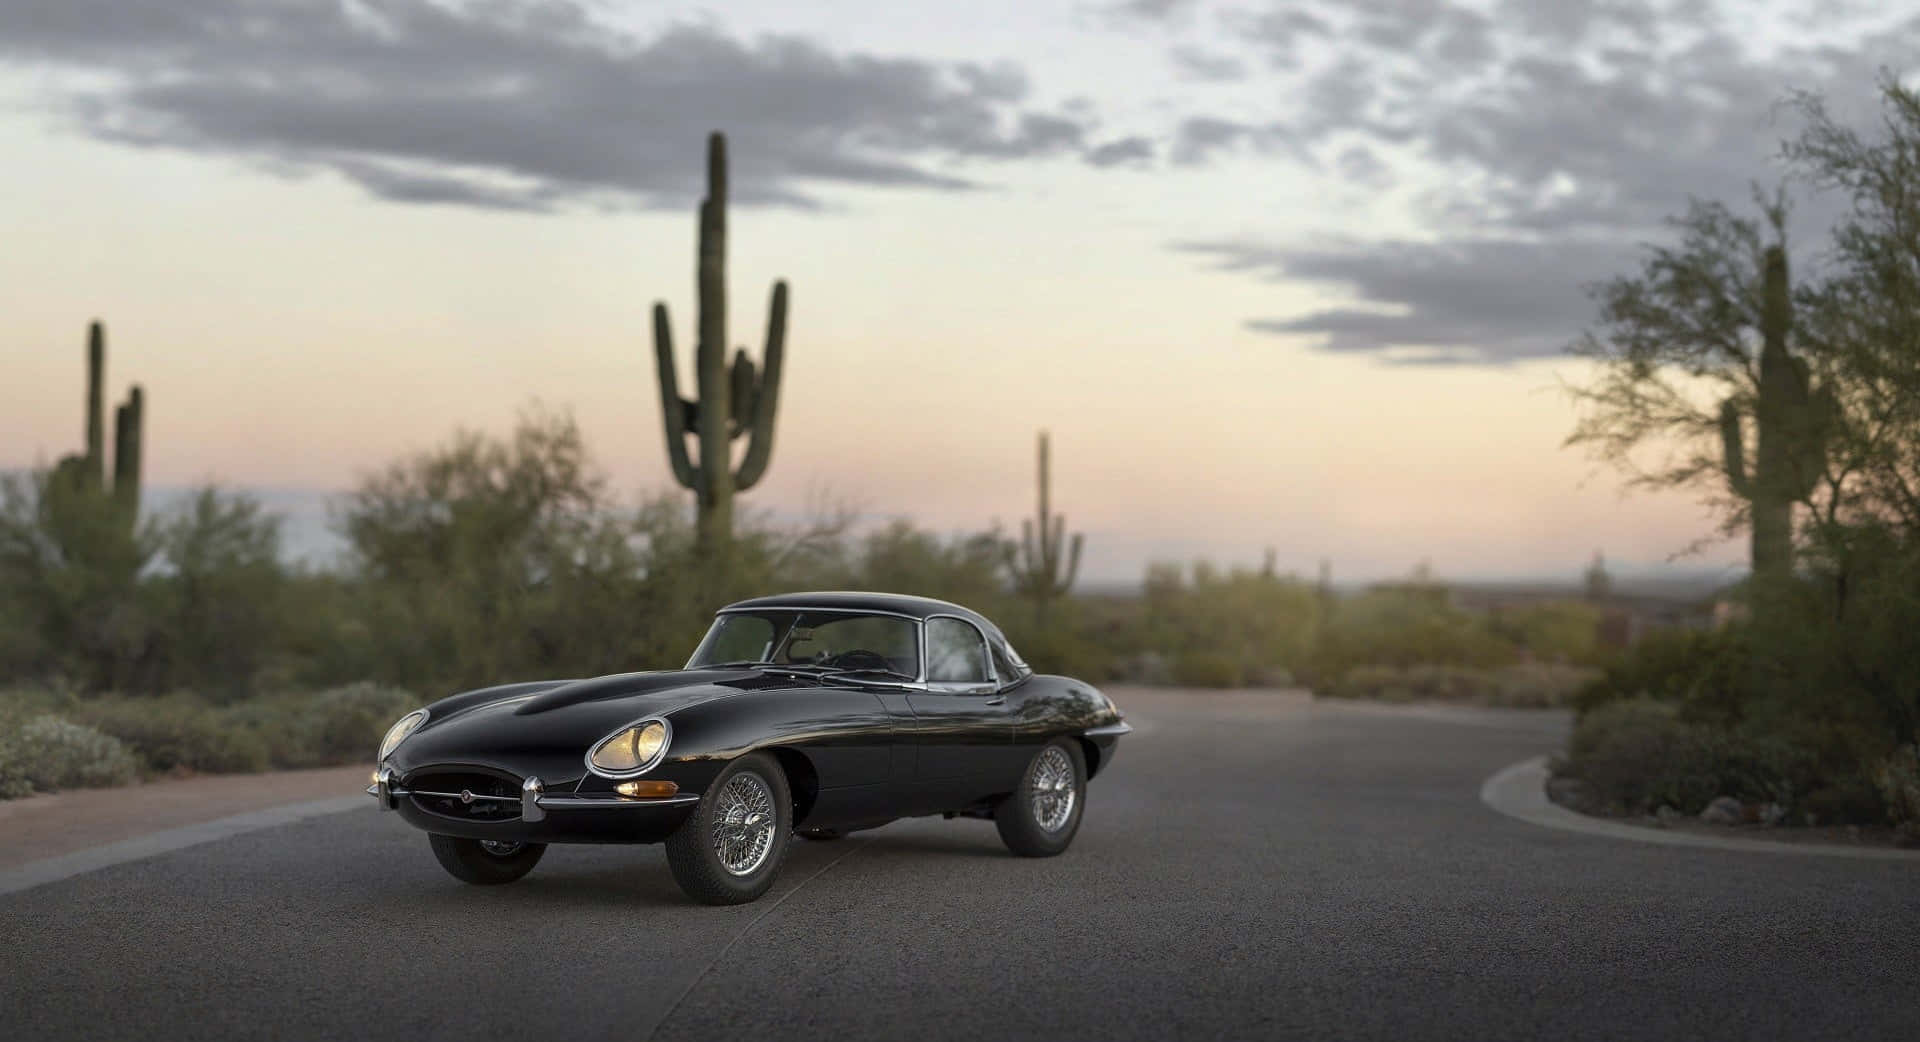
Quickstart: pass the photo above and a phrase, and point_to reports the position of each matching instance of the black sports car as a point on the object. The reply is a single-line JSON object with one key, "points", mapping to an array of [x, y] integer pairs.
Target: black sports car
{"points": [[820, 713]]}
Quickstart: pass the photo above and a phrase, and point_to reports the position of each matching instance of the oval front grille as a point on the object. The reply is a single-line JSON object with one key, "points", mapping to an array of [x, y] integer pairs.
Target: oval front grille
{"points": [[467, 795]]}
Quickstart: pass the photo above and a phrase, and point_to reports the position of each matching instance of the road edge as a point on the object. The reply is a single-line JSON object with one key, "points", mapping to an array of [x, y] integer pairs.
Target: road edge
{"points": [[80, 862], [1520, 791]]}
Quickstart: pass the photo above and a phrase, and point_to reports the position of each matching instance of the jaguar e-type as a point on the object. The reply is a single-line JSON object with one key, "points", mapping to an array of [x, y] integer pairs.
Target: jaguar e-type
{"points": [[814, 714]]}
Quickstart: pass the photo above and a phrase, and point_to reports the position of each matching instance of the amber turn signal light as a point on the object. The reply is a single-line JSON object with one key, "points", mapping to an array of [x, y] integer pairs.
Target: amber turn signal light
{"points": [[653, 789]]}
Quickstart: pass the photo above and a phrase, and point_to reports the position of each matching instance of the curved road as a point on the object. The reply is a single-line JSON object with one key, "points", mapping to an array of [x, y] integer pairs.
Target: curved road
{"points": [[1254, 866]]}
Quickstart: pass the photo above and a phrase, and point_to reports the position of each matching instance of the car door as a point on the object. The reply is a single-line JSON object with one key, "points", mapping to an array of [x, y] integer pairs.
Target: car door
{"points": [[963, 726]]}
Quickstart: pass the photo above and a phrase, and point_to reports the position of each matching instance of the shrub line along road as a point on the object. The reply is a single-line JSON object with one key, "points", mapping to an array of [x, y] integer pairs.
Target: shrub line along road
{"points": [[1256, 865]]}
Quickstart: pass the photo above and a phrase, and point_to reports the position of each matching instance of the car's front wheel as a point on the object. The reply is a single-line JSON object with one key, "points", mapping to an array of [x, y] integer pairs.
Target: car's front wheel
{"points": [[1041, 816], [730, 849], [485, 862]]}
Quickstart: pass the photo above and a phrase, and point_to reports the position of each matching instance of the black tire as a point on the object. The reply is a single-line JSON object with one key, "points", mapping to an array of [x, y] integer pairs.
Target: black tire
{"points": [[821, 835], [1021, 829], [693, 852], [470, 862]]}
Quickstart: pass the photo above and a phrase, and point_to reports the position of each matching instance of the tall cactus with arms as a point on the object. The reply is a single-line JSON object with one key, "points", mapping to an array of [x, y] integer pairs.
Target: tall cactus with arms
{"points": [[88, 473], [1791, 420], [731, 401], [1039, 571]]}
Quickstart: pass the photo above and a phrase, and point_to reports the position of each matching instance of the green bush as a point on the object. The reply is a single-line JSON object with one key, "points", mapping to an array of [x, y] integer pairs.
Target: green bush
{"points": [[1207, 669], [1898, 779], [1555, 631], [179, 732], [1406, 625], [339, 725], [1522, 685], [47, 754], [1851, 798], [1637, 755], [1699, 670]]}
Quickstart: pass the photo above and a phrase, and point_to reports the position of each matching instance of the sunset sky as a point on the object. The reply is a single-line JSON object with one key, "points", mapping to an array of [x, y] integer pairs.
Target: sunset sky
{"points": [[1287, 274]]}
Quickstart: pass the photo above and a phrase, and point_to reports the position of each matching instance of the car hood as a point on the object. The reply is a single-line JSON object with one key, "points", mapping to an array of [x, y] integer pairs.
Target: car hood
{"points": [[547, 729]]}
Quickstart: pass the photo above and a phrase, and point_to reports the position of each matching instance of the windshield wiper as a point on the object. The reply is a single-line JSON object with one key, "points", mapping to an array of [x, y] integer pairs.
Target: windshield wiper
{"points": [[794, 670], [742, 664], [870, 669]]}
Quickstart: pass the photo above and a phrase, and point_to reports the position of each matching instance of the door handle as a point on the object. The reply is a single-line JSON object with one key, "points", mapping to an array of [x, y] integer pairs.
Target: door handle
{"points": [[997, 700]]}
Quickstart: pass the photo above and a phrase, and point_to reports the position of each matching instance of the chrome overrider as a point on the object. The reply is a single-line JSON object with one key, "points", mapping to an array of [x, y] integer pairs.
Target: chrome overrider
{"points": [[534, 801]]}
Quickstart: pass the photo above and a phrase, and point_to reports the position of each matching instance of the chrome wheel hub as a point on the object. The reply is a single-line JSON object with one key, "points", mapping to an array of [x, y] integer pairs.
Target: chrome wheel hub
{"points": [[501, 847], [1050, 788], [743, 824]]}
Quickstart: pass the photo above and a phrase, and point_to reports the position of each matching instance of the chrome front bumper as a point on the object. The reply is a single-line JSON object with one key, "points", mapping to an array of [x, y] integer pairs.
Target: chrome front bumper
{"points": [[534, 802]]}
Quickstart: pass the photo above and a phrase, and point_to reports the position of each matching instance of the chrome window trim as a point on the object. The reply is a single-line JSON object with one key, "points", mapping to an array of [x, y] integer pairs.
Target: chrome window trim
{"points": [[831, 611], [624, 728], [918, 683]]}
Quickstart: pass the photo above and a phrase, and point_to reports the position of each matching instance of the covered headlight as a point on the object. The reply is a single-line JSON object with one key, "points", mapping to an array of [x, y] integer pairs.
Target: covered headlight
{"points": [[399, 731], [631, 750]]}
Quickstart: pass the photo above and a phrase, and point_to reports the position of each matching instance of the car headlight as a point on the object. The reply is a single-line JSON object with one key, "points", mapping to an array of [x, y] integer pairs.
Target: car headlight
{"points": [[399, 731], [631, 750]]}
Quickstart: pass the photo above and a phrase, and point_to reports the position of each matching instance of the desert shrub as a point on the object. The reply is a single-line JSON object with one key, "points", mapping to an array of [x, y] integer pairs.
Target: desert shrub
{"points": [[1699, 670], [1200, 668], [1522, 685], [1636, 755], [1406, 625], [1851, 798], [179, 732], [1898, 779], [47, 754], [1537, 685], [339, 725], [1557, 631]]}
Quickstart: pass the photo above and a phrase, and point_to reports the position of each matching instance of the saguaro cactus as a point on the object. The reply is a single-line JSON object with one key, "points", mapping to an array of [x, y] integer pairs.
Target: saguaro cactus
{"points": [[1790, 418], [730, 402], [1039, 570], [87, 473]]}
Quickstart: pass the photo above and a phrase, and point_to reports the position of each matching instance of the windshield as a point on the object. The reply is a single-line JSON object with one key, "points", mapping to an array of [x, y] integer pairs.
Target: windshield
{"points": [[825, 640]]}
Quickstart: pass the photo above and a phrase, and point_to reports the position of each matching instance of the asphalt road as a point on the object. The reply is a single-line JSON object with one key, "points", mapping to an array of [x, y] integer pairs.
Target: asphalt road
{"points": [[1252, 867]]}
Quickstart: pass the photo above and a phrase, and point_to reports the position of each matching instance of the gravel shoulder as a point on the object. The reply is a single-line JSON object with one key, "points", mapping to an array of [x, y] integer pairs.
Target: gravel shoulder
{"points": [[47, 826]]}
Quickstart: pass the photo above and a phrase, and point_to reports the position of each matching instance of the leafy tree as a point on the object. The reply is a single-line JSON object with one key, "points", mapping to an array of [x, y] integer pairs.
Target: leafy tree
{"points": [[69, 573], [488, 560], [1698, 338], [220, 591]]}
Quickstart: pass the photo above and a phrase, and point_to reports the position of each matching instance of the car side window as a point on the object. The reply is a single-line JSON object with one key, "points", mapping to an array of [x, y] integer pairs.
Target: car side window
{"points": [[1003, 666], [956, 653]]}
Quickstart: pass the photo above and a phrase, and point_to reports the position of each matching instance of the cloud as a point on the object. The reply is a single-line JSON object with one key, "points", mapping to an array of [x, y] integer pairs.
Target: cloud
{"points": [[1195, 63], [1152, 10], [1199, 138], [530, 105], [1539, 147], [1129, 150], [1489, 300]]}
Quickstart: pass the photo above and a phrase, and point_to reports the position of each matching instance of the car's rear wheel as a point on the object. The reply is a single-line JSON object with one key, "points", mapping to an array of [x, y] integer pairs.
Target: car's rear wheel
{"points": [[1041, 816], [485, 862], [730, 849]]}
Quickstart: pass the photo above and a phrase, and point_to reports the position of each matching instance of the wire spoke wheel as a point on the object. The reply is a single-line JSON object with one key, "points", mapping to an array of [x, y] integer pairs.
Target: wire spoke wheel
{"points": [[1050, 788], [744, 824]]}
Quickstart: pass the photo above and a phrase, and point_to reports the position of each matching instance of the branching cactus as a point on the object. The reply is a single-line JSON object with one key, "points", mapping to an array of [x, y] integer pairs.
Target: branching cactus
{"points": [[730, 402], [1040, 571], [88, 473], [1791, 420]]}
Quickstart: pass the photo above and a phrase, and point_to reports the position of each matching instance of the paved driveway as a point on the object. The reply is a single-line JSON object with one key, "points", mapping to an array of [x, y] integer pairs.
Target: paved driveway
{"points": [[1254, 866]]}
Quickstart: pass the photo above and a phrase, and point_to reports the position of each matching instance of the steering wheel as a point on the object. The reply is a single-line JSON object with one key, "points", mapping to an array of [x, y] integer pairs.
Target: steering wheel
{"points": [[860, 658]]}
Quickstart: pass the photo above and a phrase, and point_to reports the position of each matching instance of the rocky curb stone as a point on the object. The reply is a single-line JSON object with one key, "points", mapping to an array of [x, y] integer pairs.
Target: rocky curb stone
{"points": [[1520, 791]]}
